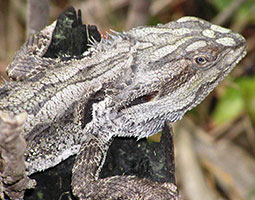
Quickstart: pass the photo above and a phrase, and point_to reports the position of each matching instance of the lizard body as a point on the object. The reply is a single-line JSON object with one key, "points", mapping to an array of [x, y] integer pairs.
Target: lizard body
{"points": [[126, 85]]}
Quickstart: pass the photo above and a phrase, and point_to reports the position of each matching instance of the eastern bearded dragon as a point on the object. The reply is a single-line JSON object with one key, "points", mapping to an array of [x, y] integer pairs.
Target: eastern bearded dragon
{"points": [[126, 85]]}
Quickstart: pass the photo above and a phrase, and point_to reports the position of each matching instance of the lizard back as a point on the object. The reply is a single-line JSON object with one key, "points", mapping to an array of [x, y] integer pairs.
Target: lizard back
{"points": [[148, 74]]}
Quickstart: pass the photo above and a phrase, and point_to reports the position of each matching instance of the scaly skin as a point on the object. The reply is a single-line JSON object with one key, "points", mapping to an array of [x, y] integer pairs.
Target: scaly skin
{"points": [[136, 80]]}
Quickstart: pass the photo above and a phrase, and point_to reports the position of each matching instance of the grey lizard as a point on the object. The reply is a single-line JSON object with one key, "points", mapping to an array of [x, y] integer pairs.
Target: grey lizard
{"points": [[136, 80]]}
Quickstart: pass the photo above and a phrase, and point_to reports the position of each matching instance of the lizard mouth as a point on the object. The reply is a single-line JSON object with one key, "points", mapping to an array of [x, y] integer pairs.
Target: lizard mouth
{"points": [[140, 100]]}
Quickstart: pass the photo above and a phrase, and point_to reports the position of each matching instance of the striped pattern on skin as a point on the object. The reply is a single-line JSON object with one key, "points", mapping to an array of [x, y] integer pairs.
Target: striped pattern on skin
{"points": [[129, 83]]}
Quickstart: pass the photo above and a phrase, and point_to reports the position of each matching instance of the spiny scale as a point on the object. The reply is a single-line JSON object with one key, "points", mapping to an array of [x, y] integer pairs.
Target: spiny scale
{"points": [[163, 72]]}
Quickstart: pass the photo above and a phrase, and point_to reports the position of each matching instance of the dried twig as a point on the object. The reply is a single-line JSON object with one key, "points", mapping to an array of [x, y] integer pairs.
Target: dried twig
{"points": [[138, 14], [37, 15], [194, 186], [14, 180]]}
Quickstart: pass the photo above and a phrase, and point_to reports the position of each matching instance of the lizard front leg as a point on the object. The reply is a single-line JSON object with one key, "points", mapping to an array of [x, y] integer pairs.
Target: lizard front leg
{"points": [[87, 185]]}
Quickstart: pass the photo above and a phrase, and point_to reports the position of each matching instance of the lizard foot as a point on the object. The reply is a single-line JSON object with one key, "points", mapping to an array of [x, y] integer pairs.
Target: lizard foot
{"points": [[87, 186]]}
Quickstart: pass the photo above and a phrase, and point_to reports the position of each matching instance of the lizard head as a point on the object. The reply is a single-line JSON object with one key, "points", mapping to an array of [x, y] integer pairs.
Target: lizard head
{"points": [[175, 67]]}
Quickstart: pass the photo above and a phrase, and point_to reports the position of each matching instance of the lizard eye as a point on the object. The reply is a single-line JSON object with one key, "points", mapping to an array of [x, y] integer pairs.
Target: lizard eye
{"points": [[204, 60], [200, 60]]}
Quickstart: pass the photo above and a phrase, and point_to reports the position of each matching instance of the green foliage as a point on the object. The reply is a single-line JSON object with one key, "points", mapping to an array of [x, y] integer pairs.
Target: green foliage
{"points": [[221, 4], [236, 100], [247, 87], [246, 11], [243, 12]]}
